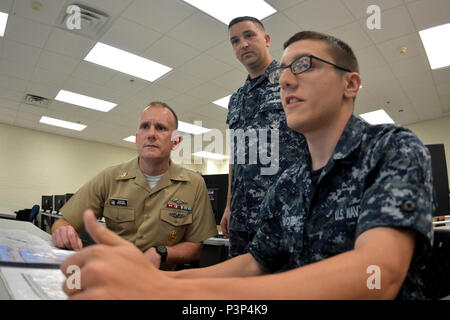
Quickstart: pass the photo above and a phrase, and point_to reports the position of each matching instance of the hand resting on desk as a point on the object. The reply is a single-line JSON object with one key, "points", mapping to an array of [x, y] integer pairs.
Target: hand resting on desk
{"points": [[66, 237]]}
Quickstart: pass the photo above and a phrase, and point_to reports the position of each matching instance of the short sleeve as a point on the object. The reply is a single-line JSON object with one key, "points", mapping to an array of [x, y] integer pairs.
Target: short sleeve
{"points": [[401, 194]]}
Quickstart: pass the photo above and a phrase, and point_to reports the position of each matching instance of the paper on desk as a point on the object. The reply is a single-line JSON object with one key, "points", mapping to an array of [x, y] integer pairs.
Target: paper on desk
{"points": [[33, 284], [20, 238], [21, 248]]}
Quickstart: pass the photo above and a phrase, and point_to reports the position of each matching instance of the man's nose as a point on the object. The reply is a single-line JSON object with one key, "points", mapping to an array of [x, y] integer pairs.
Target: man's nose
{"points": [[287, 78]]}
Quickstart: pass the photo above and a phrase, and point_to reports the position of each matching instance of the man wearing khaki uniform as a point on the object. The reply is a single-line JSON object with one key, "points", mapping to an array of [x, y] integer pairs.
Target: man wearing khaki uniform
{"points": [[150, 201]]}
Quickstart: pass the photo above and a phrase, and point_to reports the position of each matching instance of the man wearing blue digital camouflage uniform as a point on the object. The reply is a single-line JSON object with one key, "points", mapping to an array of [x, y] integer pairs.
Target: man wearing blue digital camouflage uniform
{"points": [[254, 113], [351, 219]]}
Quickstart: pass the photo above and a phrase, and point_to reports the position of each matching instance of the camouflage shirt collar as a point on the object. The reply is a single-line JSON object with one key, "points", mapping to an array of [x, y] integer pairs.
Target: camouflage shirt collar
{"points": [[350, 138], [249, 84]]}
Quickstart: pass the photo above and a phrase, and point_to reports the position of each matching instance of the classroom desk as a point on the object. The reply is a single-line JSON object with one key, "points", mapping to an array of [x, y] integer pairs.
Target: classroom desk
{"points": [[26, 226]]}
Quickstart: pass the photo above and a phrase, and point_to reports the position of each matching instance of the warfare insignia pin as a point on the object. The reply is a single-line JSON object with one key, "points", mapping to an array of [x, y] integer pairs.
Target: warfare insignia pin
{"points": [[172, 235]]}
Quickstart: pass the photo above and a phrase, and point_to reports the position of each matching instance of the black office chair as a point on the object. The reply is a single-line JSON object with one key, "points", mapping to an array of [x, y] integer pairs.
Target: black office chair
{"points": [[437, 266]]}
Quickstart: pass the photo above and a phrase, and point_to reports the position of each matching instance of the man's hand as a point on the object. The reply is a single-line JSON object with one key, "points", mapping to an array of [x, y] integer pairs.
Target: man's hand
{"points": [[153, 256], [66, 237], [225, 222], [113, 269]]}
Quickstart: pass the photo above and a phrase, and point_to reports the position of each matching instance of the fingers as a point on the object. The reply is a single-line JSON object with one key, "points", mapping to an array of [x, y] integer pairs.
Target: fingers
{"points": [[100, 234], [67, 237], [224, 223]]}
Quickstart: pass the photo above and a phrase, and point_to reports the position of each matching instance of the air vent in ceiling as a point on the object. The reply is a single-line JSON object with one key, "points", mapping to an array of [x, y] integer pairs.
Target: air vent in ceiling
{"points": [[83, 20], [36, 101]]}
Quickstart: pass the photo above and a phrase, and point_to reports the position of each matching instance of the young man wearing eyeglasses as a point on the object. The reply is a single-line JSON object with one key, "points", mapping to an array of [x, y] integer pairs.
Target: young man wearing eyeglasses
{"points": [[351, 219], [255, 111]]}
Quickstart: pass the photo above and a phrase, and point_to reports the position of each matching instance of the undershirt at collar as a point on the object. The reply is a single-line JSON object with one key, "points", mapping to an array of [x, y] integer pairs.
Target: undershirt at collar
{"points": [[153, 180]]}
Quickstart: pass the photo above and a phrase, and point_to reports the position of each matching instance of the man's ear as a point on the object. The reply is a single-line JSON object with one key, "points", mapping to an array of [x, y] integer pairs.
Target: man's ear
{"points": [[352, 84], [267, 37], [176, 139]]}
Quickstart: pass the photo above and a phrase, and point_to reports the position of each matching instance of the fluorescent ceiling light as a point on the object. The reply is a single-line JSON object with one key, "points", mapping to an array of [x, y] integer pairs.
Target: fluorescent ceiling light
{"points": [[223, 102], [437, 48], [126, 62], [131, 139], [3, 20], [191, 128], [209, 155], [377, 117], [227, 10], [62, 123], [84, 101]]}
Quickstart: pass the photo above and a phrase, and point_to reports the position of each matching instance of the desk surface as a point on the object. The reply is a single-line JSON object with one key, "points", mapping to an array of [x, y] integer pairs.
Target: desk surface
{"points": [[26, 226]]}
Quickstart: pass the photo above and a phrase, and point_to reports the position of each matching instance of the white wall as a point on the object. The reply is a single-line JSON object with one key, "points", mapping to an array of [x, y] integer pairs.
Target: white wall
{"points": [[34, 163], [435, 132]]}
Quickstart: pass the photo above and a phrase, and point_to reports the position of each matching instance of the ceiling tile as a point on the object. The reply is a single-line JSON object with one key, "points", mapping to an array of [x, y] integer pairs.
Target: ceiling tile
{"points": [[21, 53], [129, 36], [280, 28], [56, 62], [395, 23], [429, 13], [160, 15], [412, 66], [332, 14], [6, 5], [179, 81], [230, 80], [27, 31], [127, 83], [209, 92], [353, 35], [93, 73], [359, 7], [283, 4], [224, 53], [369, 58], [167, 51], [51, 78], [205, 67], [443, 89], [441, 75], [15, 69], [10, 82], [50, 9], [391, 48], [42, 90], [200, 31], [69, 44]]}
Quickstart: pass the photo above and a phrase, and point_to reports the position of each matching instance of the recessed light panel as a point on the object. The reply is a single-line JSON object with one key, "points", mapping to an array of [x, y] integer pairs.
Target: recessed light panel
{"points": [[377, 117], [191, 128], [84, 101], [436, 47], [227, 10], [126, 62], [223, 102], [62, 123]]}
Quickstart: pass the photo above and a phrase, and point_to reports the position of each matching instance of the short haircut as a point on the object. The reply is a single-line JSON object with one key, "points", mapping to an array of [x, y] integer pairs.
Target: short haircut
{"points": [[246, 18], [165, 106], [340, 51]]}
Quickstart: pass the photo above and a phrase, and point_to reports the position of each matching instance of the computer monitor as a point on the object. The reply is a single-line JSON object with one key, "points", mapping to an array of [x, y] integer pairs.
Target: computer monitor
{"points": [[59, 200], [217, 185], [440, 178], [47, 203]]}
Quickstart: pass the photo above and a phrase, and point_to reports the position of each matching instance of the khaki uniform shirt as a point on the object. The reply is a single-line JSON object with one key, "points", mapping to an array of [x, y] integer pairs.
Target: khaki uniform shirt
{"points": [[176, 210]]}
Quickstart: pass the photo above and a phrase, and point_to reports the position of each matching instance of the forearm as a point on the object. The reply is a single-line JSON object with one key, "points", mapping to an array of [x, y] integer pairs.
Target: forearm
{"points": [[240, 266], [341, 277], [229, 187], [184, 252], [59, 223]]}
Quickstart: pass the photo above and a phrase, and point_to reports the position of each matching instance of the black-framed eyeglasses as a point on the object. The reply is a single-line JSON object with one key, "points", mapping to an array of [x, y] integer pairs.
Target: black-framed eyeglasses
{"points": [[300, 65]]}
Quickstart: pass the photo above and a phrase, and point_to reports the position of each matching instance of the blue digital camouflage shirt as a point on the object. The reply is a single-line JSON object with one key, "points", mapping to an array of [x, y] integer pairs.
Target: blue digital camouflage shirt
{"points": [[256, 119], [378, 176]]}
